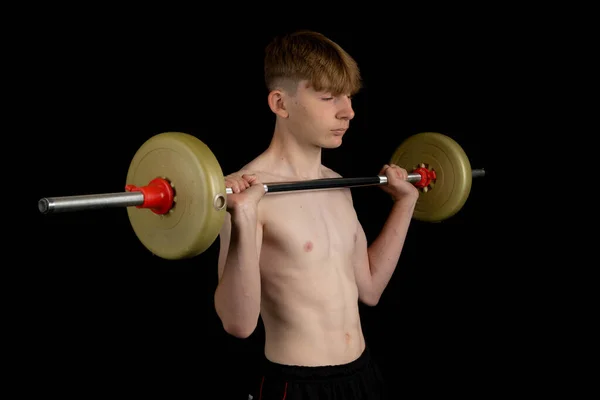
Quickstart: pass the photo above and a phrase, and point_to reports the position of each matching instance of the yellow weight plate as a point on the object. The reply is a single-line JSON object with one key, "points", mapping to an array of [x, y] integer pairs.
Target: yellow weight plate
{"points": [[448, 194], [198, 212]]}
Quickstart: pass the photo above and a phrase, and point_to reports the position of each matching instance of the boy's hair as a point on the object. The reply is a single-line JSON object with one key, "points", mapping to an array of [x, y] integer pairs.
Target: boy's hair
{"points": [[309, 55]]}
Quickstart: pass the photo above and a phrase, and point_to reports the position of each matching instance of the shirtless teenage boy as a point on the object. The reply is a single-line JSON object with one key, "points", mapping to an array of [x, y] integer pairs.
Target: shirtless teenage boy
{"points": [[301, 260]]}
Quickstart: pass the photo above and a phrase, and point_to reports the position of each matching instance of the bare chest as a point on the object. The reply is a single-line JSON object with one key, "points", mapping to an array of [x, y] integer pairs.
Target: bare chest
{"points": [[315, 225]]}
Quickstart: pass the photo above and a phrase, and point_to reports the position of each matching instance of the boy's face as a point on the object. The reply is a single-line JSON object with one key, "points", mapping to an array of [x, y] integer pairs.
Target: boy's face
{"points": [[319, 117]]}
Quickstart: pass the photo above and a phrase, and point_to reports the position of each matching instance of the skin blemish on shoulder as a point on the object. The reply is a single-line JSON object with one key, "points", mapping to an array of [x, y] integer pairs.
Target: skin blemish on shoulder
{"points": [[308, 246]]}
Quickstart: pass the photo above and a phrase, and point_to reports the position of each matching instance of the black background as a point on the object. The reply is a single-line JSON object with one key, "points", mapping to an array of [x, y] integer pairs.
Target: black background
{"points": [[104, 316]]}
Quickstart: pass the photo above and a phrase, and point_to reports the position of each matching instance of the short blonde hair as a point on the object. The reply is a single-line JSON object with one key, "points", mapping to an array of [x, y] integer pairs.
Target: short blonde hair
{"points": [[311, 56]]}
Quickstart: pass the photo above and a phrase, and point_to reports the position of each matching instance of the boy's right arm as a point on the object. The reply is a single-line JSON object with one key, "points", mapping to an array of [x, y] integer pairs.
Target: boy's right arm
{"points": [[238, 292]]}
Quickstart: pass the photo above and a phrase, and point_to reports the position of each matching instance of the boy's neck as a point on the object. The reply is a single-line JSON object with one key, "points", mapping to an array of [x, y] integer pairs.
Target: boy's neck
{"points": [[290, 157]]}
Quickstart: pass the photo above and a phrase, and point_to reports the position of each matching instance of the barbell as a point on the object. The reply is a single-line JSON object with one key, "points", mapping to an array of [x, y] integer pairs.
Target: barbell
{"points": [[176, 198]]}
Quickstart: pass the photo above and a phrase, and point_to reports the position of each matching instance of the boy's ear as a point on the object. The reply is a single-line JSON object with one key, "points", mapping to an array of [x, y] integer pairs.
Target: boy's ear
{"points": [[276, 100]]}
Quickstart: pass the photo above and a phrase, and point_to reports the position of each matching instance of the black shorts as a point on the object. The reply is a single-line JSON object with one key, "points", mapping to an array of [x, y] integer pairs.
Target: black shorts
{"points": [[359, 379]]}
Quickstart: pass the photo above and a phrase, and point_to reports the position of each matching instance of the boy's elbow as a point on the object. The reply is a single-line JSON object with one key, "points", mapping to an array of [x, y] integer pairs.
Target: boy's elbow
{"points": [[240, 331], [370, 300], [233, 323]]}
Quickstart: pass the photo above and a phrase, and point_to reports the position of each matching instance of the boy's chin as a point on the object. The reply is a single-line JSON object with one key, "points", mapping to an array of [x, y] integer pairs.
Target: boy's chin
{"points": [[332, 144]]}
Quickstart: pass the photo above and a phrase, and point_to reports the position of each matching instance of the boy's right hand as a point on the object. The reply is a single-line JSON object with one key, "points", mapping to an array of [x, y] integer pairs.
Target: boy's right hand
{"points": [[247, 192]]}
